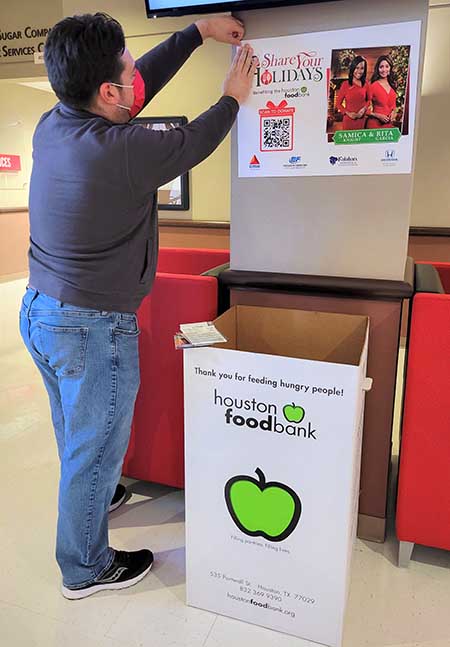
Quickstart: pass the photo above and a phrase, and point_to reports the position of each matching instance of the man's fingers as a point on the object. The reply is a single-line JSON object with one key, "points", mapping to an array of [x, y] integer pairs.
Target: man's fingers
{"points": [[244, 61], [253, 66], [247, 54], [233, 39], [240, 57], [244, 58], [238, 31], [239, 25], [237, 58]]}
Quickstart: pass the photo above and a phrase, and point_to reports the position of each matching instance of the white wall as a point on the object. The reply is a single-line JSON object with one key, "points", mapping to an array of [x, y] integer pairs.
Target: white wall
{"points": [[197, 86], [20, 109], [431, 195]]}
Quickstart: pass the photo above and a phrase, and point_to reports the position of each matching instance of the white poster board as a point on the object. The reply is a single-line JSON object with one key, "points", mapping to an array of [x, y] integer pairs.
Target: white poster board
{"points": [[311, 114]]}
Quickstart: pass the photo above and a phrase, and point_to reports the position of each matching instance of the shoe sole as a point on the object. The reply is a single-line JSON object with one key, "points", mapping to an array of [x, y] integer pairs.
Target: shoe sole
{"points": [[78, 594], [118, 503]]}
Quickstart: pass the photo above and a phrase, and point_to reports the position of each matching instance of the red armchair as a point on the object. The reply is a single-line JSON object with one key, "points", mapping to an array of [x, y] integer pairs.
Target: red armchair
{"points": [[423, 504], [180, 294]]}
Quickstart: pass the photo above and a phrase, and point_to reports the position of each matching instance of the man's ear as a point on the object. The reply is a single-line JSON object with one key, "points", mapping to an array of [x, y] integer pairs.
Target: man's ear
{"points": [[108, 93]]}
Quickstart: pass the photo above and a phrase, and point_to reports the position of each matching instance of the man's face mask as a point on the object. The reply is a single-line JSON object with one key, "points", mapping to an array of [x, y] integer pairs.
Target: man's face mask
{"points": [[139, 94]]}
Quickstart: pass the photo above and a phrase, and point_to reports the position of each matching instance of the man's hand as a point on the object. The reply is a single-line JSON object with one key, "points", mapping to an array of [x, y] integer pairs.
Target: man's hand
{"points": [[240, 77], [223, 29]]}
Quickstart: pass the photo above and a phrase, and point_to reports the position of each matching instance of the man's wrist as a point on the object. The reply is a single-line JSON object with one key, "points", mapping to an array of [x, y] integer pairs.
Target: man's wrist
{"points": [[203, 27], [231, 96]]}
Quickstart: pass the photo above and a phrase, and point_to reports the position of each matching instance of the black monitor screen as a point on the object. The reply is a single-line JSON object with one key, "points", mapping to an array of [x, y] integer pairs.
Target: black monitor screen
{"points": [[157, 8]]}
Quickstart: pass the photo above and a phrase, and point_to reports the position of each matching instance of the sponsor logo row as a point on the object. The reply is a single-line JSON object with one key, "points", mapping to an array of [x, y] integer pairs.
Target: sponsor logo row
{"points": [[295, 161]]}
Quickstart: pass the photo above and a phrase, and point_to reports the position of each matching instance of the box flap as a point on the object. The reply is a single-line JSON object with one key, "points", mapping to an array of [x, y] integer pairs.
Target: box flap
{"points": [[227, 325], [319, 336]]}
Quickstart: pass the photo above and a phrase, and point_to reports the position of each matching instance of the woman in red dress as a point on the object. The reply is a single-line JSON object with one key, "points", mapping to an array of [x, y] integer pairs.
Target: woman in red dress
{"points": [[353, 97], [383, 95]]}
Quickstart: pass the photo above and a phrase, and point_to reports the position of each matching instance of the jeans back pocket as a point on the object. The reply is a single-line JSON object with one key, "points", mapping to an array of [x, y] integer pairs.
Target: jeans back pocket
{"points": [[64, 347]]}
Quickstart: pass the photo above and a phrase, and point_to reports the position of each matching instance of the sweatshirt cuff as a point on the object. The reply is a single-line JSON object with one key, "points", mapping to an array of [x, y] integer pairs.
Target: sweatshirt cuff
{"points": [[193, 34], [232, 102]]}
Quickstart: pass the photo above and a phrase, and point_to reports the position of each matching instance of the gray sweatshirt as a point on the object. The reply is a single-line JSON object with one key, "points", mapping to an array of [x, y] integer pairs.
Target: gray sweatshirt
{"points": [[93, 204]]}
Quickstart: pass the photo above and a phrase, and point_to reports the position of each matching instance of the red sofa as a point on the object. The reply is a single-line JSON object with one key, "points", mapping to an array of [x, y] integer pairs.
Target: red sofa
{"points": [[180, 294], [423, 504]]}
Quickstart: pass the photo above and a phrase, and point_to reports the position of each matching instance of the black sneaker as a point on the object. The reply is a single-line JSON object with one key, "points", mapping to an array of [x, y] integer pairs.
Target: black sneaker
{"points": [[119, 497], [127, 568]]}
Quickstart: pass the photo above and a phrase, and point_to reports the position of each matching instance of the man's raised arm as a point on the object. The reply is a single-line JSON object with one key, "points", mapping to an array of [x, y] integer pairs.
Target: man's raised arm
{"points": [[156, 157], [162, 62]]}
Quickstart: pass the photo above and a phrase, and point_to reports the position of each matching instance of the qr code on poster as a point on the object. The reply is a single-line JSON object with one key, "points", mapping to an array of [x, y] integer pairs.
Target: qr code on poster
{"points": [[276, 133]]}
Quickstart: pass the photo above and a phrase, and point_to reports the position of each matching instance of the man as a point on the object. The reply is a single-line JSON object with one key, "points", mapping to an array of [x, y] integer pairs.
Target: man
{"points": [[93, 254]]}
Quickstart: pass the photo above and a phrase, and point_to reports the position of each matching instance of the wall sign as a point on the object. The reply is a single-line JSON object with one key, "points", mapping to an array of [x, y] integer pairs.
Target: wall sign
{"points": [[9, 163], [22, 44]]}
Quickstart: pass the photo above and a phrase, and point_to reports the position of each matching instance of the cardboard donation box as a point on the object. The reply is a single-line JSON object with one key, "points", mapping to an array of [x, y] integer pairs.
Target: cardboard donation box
{"points": [[273, 423]]}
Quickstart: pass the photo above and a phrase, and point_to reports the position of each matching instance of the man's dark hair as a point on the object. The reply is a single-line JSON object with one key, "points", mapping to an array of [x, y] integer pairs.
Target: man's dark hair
{"points": [[80, 54]]}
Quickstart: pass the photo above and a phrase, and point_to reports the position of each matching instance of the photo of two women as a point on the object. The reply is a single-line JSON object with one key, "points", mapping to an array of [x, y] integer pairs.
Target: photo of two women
{"points": [[368, 89]]}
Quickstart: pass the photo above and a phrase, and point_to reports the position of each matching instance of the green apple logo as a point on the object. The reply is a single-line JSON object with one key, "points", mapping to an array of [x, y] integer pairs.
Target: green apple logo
{"points": [[293, 413], [259, 509]]}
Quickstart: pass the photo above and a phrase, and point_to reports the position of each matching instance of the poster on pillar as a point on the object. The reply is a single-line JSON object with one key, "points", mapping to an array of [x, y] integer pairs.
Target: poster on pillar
{"points": [[332, 103]]}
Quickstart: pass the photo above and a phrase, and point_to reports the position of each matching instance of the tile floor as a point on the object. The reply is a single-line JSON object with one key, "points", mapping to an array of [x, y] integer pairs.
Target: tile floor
{"points": [[388, 607]]}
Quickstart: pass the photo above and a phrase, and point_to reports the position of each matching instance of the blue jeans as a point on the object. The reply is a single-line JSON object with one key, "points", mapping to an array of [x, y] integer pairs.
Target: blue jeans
{"points": [[89, 362]]}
